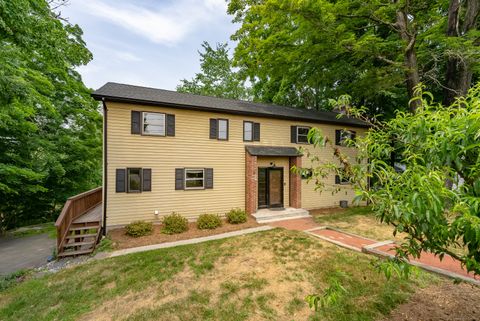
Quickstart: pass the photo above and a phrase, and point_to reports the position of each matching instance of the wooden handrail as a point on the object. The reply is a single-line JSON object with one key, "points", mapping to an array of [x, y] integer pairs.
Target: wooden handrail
{"points": [[75, 207]]}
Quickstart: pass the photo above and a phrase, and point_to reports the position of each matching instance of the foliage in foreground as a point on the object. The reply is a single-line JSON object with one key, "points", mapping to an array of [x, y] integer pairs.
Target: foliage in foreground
{"points": [[236, 216], [139, 228], [424, 174], [209, 221], [174, 224], [50, 127]]}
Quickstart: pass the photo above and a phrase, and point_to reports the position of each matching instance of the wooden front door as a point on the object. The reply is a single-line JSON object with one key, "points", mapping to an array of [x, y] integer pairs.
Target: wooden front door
{"points": [[270, 187]]}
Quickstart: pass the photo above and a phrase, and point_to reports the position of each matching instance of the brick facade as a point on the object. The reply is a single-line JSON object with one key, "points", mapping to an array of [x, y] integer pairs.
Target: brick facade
{"points": [[251, 183], [295, 188]]}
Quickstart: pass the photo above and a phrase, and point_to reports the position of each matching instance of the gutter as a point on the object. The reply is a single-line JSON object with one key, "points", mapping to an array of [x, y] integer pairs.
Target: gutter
{"points": [[223, 111], [105, 171]]}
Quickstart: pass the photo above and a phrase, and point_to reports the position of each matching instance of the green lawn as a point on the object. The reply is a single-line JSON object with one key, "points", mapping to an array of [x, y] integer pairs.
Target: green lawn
{"points": [[262, 276], [360, 221], [48, 228]]}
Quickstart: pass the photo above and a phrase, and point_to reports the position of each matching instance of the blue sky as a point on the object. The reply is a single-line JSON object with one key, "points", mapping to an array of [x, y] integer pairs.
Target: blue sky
{"points": [[147, 42]]}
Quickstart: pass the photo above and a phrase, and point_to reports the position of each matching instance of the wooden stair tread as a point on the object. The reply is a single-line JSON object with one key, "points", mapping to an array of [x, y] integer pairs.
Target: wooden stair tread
{"points": [[78, 243], [81, 235], [79, 252], [82, 228]]}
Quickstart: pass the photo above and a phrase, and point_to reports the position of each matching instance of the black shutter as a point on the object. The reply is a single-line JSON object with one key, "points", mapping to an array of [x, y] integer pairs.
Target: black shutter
{"points": [[293, 134], [208, 177], [170, 125], [147, 180], [120, 181], [338, 136], [256, 132], [337, 179], [179, 178], [136, 122], [213, 128]]}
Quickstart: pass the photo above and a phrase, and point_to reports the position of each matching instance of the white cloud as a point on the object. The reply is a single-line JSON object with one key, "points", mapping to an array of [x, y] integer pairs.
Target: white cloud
{"points": [[127, 56], [166, 24]]}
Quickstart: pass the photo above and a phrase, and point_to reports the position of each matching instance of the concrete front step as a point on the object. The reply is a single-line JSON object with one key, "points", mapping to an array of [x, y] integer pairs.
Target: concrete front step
{"points": [[273, 215]]}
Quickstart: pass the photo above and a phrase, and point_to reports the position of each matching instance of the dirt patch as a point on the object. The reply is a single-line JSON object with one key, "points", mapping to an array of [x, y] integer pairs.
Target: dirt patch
{"points": [[443, 302], [123, 241]]}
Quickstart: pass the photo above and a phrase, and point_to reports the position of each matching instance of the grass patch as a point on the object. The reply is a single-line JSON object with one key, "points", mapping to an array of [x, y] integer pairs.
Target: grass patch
{"points": [[258, 276], [360, 221], [44, 228]]}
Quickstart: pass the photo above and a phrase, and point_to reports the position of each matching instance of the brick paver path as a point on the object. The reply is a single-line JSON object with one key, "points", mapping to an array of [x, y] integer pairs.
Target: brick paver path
{"points": [[448, 266]]}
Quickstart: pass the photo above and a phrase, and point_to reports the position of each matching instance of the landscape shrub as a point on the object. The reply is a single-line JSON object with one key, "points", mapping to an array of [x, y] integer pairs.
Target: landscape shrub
{"points": [[208, 221], [236, 216], [139, 228], [174, 224]]}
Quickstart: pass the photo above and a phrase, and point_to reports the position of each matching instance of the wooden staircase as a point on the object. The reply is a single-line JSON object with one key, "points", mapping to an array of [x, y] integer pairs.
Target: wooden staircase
{"points": [[79, 226]]}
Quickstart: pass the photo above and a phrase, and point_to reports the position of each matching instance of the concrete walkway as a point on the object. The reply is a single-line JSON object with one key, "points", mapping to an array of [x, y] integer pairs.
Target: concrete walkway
{"points": [[448, 266], [24, 252]]}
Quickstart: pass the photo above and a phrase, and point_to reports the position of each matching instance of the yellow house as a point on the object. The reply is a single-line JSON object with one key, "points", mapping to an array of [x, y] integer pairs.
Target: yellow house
{"points": [[170, 152]]}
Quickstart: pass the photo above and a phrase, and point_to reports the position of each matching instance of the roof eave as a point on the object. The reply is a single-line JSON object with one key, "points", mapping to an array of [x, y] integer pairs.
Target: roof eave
{"points": [[101, 97]]}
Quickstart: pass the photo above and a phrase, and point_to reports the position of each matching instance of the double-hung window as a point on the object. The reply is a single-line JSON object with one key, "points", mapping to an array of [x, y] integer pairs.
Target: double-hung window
{"points": [[153, 123], [248, 131], [302, 134], [223, 129], [194, 178], [342, 137]]}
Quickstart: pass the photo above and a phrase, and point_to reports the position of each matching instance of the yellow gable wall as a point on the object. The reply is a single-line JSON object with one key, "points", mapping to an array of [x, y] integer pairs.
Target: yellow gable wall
{"points": [[191, 147]]}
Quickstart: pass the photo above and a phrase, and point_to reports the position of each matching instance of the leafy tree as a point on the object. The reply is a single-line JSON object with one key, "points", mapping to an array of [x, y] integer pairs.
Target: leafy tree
{"points": [[301, 53], [217, 77], [408, 190], [50, 128]]}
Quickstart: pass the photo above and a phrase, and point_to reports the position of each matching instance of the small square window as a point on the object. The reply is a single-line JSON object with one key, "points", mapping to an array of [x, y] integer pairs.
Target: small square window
{"points": [[194, 179], [307, 173], [248, 131], [302, 134], [134, 180], [344, 136], [223, 129], [153, 124]]}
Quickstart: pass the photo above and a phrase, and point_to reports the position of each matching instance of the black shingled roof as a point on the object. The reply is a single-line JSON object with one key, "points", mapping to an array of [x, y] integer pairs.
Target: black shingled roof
{"points": [[152, 96], [272, 151]]}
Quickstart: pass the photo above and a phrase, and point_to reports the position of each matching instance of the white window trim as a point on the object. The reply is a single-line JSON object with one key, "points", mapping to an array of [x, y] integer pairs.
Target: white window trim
{"points": [[298, 127], [195, 179], [251, 131], [164, 124], [218, 128]]}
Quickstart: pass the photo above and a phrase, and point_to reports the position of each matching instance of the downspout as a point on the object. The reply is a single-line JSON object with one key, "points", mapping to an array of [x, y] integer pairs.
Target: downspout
{"points": [[105, 171]]}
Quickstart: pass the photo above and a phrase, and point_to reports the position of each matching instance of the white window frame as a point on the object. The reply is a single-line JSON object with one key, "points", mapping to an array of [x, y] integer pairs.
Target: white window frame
{"points": [[164, 124], [345, 134], [306, 136], [251, 131], [195, 179], [218, 128]]}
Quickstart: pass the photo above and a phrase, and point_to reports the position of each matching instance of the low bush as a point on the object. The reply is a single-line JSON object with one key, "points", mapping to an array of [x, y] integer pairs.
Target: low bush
{"points": [[174, 224], [209, 222], [236, 216], [139, 228]]}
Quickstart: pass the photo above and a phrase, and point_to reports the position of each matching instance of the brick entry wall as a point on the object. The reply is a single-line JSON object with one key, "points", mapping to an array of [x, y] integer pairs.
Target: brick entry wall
{"points": [[251, 183], [295, 187]]}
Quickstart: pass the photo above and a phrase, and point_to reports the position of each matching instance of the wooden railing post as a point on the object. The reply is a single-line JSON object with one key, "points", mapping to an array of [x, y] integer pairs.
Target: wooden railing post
{"points": [[75, 207]]}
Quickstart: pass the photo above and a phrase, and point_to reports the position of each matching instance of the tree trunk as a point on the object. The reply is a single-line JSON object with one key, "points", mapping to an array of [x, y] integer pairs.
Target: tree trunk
{"points": [[410, 56], [458, 76]]}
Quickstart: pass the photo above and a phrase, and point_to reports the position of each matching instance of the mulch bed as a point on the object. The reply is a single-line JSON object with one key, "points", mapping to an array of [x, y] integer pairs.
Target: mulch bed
{"points": [[123, 241]]}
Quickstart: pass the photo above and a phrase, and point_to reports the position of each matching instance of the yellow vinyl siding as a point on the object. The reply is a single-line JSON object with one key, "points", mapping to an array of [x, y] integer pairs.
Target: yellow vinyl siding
{"points": [[192, 148]]}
